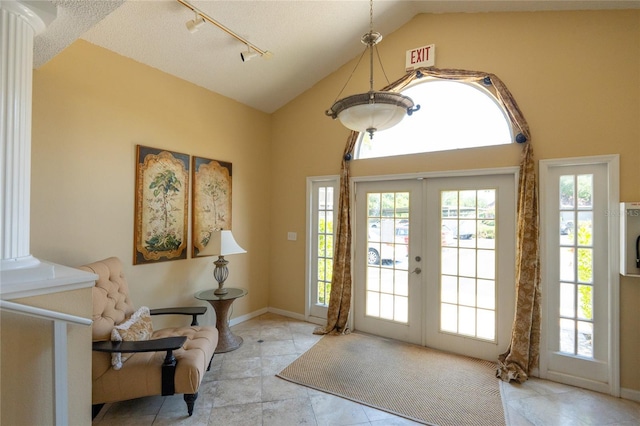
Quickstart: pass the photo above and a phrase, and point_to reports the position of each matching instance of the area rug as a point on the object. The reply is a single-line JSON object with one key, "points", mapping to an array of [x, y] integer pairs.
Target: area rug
{"points": [[415, 382]]}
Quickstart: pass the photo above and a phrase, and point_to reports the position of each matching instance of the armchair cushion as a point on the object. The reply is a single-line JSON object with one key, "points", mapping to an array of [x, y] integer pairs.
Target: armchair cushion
{"points": [[137, 327]]}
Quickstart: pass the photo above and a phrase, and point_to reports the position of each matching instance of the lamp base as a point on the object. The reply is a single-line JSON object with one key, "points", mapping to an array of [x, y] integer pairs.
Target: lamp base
{"points": [[220, 291], [220, 273]]}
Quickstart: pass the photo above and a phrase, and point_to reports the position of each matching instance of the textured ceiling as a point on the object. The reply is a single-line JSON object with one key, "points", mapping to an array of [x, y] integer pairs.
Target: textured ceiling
{"points": [[309, 39]]}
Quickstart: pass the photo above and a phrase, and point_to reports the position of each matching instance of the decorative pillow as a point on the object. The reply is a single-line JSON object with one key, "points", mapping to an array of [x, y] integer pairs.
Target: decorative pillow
{"points": [[137, 327]]}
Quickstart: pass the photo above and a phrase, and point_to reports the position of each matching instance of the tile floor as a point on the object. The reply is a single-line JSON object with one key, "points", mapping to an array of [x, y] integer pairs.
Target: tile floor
{"points": [[241, 389]]}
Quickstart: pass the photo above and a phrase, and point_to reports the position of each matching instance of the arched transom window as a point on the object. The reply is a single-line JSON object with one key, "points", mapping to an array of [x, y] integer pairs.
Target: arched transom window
{"points": [[452, 115]]}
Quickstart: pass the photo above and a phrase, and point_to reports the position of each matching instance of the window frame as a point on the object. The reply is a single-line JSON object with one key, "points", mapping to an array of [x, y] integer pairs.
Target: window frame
{"points": [[313, 312]]}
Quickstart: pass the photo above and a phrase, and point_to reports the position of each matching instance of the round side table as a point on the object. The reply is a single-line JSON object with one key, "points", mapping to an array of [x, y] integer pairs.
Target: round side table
{"points": [[227, 341]]}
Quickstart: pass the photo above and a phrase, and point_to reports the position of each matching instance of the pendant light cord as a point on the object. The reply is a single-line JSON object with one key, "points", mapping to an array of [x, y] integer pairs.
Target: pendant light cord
{"points": [[382, 66], [351, 75], [371, 44]]}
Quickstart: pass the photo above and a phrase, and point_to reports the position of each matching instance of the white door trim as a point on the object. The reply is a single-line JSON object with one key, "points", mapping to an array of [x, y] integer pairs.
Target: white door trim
{"points": [[613, 173]]}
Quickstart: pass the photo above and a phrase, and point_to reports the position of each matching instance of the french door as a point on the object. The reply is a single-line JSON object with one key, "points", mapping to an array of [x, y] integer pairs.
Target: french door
{"points": [[435, 262], [388, 259], [471, 277], [578, 215]]}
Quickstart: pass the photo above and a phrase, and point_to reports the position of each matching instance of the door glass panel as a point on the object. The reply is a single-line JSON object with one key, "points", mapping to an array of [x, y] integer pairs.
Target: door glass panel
{"points": [[388, 245], [467, 321], [486, 264], [487, 294], [468, 263], [373, 303], [566, 263], [373, 279], [467, 292], [585, 261], [386, 306], [585, 231], [449, 317], [585, 191], [401, 313], [449, 261], [567, 305], [324, 235], [576, 264], [449, 289], [585, 300], [585, 335], [487, 319], [402, 282], [567, 335]]}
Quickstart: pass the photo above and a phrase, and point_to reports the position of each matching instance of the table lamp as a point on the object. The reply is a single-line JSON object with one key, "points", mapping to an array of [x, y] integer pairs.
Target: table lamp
{"points": [[221, 244]]}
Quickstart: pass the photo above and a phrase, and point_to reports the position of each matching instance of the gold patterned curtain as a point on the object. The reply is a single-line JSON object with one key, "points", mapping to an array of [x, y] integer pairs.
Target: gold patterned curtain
{"points": [[340, 296], [523, 352]]}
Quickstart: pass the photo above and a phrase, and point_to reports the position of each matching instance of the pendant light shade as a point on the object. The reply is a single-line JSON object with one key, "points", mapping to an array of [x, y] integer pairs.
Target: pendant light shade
{"points": [[374, 110], [371, 111]]}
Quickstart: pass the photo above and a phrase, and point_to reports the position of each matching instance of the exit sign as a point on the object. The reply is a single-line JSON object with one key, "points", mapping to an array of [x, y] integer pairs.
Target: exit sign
{"points": [[424, 56]]}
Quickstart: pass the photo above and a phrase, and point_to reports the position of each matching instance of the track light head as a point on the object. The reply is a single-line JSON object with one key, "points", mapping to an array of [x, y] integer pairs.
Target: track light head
{"points": [[195, 23], [248, 55]]}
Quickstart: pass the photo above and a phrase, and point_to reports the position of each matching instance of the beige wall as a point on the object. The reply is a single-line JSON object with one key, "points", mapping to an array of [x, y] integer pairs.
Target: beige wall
{"points": [[91, 108], [575, 75]]}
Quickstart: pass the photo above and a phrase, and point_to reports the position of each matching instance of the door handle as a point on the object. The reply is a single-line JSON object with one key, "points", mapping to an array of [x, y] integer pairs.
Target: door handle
{"points": [[416, 271]]}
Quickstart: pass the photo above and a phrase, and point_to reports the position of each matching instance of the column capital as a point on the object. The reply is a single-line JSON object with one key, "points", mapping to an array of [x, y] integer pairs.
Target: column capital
{"points": [[38, 14]]}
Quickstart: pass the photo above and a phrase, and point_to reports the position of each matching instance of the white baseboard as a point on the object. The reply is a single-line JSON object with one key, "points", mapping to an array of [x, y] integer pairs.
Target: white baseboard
{"points": [[287, 314], [313, 320], [631, 394], [247, 317], [294, 315]]}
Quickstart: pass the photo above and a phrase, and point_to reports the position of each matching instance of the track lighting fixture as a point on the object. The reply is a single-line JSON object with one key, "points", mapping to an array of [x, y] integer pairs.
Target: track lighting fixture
{"points": [[248, 55], [200, 18], [195, 23]]}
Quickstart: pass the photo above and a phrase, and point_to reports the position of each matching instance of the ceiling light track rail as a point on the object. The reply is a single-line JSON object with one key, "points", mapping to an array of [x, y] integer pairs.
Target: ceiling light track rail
{"points": [[199, 13]]}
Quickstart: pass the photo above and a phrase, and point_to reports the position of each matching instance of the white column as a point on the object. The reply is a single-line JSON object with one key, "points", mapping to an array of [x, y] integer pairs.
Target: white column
{"points": [[20, 22]]}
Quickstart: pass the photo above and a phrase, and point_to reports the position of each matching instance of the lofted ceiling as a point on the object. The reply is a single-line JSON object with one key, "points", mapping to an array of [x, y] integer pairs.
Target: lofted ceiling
{"points": [[309, 39]]}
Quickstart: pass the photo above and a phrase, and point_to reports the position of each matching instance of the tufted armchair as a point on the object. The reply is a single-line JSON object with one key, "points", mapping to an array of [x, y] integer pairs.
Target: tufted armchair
{"points": [[160, 362]]}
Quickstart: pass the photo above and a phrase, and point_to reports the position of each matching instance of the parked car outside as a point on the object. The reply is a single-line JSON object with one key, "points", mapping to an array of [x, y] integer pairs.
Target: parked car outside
{"points": [[387, 243]]}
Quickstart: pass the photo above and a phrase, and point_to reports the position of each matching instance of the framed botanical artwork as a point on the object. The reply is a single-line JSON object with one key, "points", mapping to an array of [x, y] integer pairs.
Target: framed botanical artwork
{"points": [[162, 204], [211, 210]]}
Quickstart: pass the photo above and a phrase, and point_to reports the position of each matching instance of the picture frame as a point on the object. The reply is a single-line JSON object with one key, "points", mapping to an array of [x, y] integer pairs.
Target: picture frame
{"points": [[212, 193], [161, 205]]}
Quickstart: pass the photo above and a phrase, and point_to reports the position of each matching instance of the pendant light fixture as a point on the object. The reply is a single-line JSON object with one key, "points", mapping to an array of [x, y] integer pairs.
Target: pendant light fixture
{"points": [[374, 110]]}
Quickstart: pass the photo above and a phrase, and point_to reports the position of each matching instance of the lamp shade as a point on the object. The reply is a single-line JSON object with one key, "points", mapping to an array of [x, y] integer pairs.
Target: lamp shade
{"points": [[371, 111], [222, 243]]}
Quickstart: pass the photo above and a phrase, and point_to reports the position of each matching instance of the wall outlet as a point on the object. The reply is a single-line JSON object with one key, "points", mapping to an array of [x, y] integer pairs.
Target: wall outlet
{"points": [[292, 236]]}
